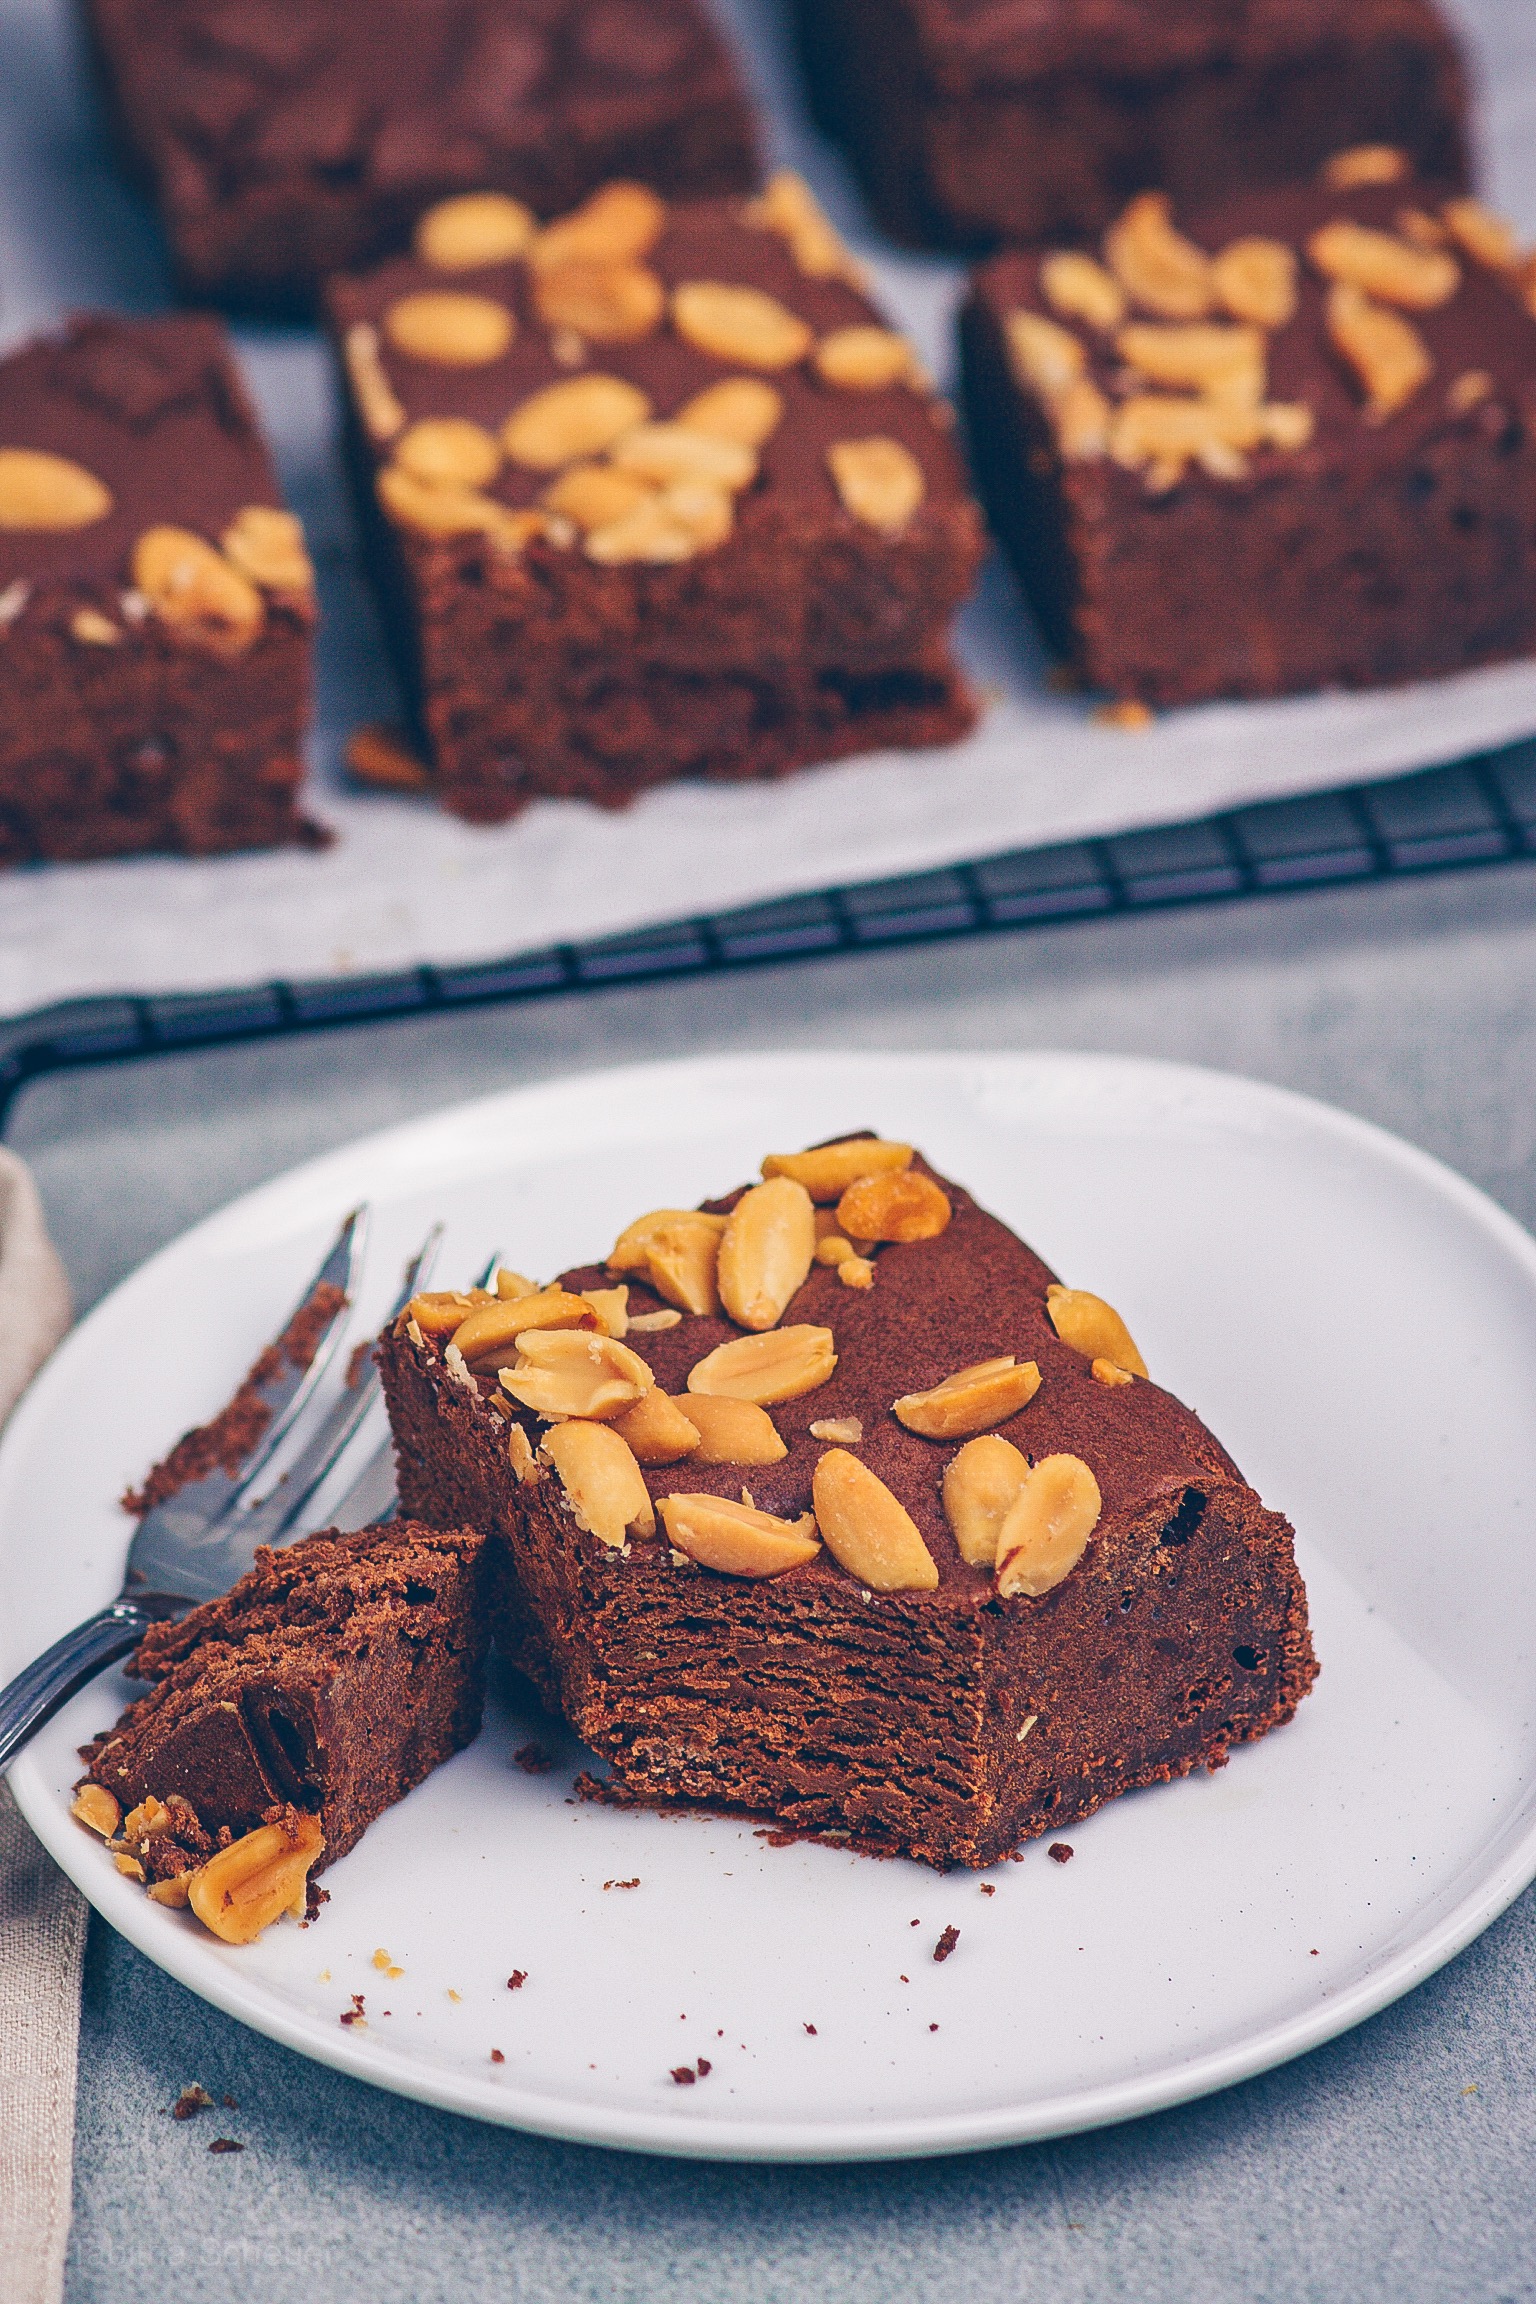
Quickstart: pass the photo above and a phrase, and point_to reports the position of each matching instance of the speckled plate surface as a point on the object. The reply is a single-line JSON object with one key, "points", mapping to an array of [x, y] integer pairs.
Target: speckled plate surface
{"points": [[1354, 1322]]}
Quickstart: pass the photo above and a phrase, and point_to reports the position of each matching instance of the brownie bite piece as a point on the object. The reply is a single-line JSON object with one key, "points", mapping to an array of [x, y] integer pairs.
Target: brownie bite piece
{"points": [[1032, 120], [156, 601], [656, 495], [288, 1715], [828, 1503], [1286, 444], [285, 139]]}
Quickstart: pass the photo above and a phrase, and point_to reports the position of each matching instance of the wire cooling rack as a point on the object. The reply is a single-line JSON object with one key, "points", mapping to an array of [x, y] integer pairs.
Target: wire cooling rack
{"points": [[1477, 811]]}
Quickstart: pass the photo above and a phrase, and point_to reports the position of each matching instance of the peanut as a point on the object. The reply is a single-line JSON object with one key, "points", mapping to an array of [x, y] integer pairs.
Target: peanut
{"points": [[441, 512], [1222, 362], [1080, 289], [866, 1529], [1106, 1372], [488, 1335], [94, 1807], [1080, 418], [741, 408], [563, 1372], [602, 1480], [856, 1272], [742, 325], [93, 630], [668, 452], [1468, 391], [972, 1400], [256, 1879], [731, 1431], [580, 417], [790, 208], [779, 1364], [863, 359], [1489, 239], [631, 1251], [657, 1429], [681, 1261], [439, 1312], [1388, 355], [675, 524], [611, 1306], [765, 1252], [476, 228], [1092, 1327], [618, 224], [879, 481], [595, 495], [605, 303], [1255, 280], [829, 1169], [1380, 265], [899, 1205], [1366, 164], [377, 401], [981, 1482], [194, 590], [449, 329], [48, 493], [1046, 358], [449, 451], [1158, 268], [1047, 1527], [520, 1455], [737, 1539]]}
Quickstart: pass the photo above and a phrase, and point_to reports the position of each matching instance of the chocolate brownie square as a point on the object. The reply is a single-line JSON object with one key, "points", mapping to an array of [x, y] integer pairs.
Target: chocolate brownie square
{"points": [[1286, 444], [323, 1686], [655, 494], [285, 139], [1037, 119], [828, 1503], [156, 601]]}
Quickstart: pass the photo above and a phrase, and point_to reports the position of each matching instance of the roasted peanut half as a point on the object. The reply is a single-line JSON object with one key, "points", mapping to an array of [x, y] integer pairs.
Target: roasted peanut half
{"points": [[43, 492], [865, 1527], [1387, 353], [493, 1329], [193, 589], [1092, 1327], [1255, 279], [863, 359], [1047, 1527], [1078, 288], [657, 1429], [765, 1251], [1158, 268], [1105, 1372], [896, 1206], [441, 1312], [981, 1483], [972, 1400], [564, 1372], [878, 481], [378, 404], [448, 329], [829, 1169], [681, 1260], [731, 1431], [1366, 164], [606, 303], [742, 325], [736, 1539], [781, 1364], [611, 1306], [1379, 264], [449, 451], [267, 545], [256, 1879], [618, 224], [476, 228], [742, 408], [94, 1807], [602, 1479], [581, 417]]}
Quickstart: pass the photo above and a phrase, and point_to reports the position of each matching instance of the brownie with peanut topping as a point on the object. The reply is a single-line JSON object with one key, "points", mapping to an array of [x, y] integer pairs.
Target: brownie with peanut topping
{"points": [[828, 1503], [156, 601], [1286, 444], [653, 494], [285, 139], [1032, 120], [318, 1691]]}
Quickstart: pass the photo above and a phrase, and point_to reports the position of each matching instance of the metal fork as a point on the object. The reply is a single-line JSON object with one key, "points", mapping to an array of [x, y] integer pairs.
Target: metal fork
{"points": [[195, 1545]]}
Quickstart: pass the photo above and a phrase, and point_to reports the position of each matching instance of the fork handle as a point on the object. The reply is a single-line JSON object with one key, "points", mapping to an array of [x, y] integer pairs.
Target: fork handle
{"points": [[37, 1693]]}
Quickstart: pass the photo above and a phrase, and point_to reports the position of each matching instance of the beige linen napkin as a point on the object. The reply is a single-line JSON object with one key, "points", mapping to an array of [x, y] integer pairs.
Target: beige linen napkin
{"points": [[42, 1918]]}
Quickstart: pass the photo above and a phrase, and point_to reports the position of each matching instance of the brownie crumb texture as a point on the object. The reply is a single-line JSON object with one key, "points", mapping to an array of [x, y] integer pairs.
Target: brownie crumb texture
{"points": [[946, 1943]]}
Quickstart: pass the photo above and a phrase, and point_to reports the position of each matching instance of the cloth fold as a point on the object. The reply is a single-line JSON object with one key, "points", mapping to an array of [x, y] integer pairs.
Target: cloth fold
{"points": [[42, 1918]]}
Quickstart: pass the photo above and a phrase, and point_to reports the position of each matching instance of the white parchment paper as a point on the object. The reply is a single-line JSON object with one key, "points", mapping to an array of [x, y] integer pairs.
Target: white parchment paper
{"points": [[404, 883]]}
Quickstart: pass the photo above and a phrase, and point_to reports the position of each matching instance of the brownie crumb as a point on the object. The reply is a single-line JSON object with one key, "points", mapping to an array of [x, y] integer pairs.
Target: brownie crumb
{"points": [[229, 2104], [776, 1839], [809, 2028], [533, 1759], [621, 1884], [355, 2014], [517, 1979], [190, 2102], [225, 2144], [946, 1944], [1059, 1852], [987, 1888], [497, 2056], [314, 1897], [684, 2075], [704, 2067], [933, 2027]]}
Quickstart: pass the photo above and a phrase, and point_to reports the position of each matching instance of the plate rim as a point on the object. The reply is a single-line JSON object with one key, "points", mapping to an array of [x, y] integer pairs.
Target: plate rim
{"points": [[674, 2134]]}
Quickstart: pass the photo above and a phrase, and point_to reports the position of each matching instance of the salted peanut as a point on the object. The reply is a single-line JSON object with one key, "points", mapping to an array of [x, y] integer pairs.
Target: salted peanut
{"points": [[194, 590], [151, 1815], [563, 1372], [1073, 284], [856, 1272], [1468, 391], [742, 408], [779, 1364], [520, 1455], [790, 208], [1423, 230], [1081, 420], [449, 328], [647, 1323], [175, 1892], [899, 1205], [95, 1808], [1167, 432], [1046, 358], [866, 1529], [268, 546], [1224, 361], [93, 630], [128, 1865], [1092, 1327], [449, 451], [765, 1251], [674, 524], [833, 1249], [863, 359], [581, 417], [1389, 357], [631, 1251], [1255, 280], [440, 512], [595, 495], [611, 1306], [510, 1285], [605, 303], [441, 1312], [1286, 424], [880, 482], [1105, 1372], [846, 1431], [1047, 1527], [52, 493], [618, 224], [256, 1879], [657, 1429], [829, 1169], [736, 1539], [603, 1481], [742, 325], [493, 1329], [1489, 239], [666, 452], [1379, 264], [676, 1249], [1365, 164], [731, 1431], [981, 1483], [378, 404], [1157, 267], [475, 228], [972, 1400]]}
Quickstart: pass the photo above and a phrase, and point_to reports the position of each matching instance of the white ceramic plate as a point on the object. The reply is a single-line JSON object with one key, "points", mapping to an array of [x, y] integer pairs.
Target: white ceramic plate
{"points": [[1359, 1327]]}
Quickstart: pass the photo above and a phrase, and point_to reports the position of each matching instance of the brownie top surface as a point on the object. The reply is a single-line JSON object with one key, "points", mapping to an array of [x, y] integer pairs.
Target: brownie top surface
{"points": [[151, 409], [1463, 323], [970, 42], [720, 244], [396, 93]]}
